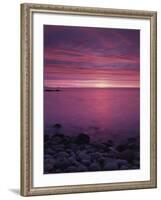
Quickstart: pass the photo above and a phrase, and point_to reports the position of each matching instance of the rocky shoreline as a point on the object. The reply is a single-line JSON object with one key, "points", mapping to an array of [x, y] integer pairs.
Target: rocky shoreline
{"points": [[64, 154]]}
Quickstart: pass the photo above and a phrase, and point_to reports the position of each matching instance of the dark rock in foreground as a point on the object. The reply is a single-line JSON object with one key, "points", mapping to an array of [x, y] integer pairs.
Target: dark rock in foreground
{"points": [[82, 139], [64, 154]]}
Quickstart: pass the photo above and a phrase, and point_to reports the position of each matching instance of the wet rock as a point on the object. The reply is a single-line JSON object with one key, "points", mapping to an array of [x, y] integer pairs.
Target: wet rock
{"points": [[81, 155], [76, 163], [58, 171], [82, 139], [62, 154], [109, 143], [71, 169], [62, 163], [94, 167], [136, 163], [86, 162], [134, 147], [73, 147], [112, 152], [73, 160], [47, 143], [109, 154], [131, 140], [49, 151], [102, 161], [124, 167], [137, 155], [81, 147], [72, 154], [67, 140], [110, 160], [121, 147], [90, 150], [46, 137], [111, 165], [57, 136], [96, 156], [121, 162], [134, 167], [47, 156], [82, 168], [56, 140], [77, 154], [129, 165], [48, 165], [128, 155], [58, 148], [99, 146]]}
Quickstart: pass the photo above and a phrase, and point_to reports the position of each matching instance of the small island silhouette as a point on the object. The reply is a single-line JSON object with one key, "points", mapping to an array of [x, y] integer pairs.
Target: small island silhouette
{"points": [[52, 89]]}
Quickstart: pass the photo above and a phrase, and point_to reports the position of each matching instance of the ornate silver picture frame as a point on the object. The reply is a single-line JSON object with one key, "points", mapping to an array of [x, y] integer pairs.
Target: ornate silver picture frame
{"points": [[38, 23]]}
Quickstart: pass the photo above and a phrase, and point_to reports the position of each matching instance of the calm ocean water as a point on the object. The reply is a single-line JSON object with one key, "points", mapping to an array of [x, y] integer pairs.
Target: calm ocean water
{"points": [[101, 113]]}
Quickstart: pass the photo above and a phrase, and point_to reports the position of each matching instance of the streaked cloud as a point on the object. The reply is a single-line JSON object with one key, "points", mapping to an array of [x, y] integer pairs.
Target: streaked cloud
{"points": [[91, 57]]}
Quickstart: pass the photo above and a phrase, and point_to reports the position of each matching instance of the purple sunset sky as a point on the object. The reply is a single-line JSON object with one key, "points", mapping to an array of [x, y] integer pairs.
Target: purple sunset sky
{"points": [[91, 57]]}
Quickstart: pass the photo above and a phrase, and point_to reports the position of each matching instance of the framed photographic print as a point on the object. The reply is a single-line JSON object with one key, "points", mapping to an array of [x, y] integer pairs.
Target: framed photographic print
{"points": [[88, 99]]}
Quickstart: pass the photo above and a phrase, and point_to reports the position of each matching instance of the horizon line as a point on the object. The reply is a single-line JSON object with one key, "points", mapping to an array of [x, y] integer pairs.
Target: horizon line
{"points": [[90, 87]]}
